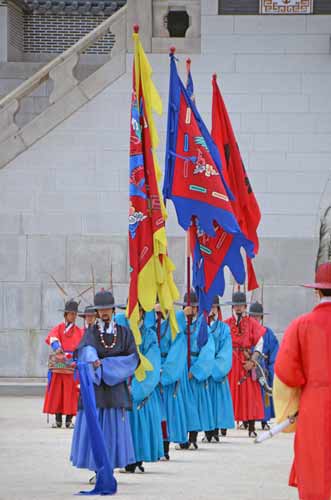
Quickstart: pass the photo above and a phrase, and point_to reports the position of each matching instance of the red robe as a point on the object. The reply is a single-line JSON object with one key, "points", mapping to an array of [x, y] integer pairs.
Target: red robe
{"points": [[62, 393], [246, 397], [304, 361]]}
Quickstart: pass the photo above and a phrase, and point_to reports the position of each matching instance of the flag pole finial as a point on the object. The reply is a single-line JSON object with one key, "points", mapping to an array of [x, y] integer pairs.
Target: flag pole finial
{"points": [[172, 50], [136, 28], [214, 77]]}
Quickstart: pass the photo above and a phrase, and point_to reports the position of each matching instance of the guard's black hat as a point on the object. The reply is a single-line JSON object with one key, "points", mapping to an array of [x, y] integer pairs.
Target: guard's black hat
{"points": [[104, 300], [87, 310], [193, 300], [238, 299], [216, 301], [256, 309], [70, 306]]}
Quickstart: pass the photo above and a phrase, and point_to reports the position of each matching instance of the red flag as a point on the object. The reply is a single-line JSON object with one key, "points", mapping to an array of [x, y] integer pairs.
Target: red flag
{"points": [[245, 205]]}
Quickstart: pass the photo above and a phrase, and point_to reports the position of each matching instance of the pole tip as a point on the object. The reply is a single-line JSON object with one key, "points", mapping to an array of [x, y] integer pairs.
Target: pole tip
{"points": [[188, 60], [172, 50], [136, 28], [214, 77]]}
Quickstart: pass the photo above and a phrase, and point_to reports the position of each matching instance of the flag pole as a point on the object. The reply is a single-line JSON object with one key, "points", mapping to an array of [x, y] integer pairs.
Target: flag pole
{"points": [[188, 269], [158, 326], [188, 279]]}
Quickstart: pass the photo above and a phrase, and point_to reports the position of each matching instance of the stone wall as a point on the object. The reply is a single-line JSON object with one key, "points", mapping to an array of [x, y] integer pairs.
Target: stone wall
{"points": [[64, 202]]}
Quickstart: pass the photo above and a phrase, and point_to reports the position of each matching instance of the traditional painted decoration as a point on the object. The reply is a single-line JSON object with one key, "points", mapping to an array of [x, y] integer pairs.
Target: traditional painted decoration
{"points": [[286, 6]]}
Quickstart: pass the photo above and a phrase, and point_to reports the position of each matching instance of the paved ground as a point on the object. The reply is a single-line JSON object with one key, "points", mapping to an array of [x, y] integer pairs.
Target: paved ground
{"points": [[34, 465]]}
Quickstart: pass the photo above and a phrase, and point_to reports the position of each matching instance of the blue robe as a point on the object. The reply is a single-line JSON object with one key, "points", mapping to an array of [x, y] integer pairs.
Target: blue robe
{"points": [[218, 382], [270, 349], [198, 401], [173, 363], [146, 417], [112, 400]]}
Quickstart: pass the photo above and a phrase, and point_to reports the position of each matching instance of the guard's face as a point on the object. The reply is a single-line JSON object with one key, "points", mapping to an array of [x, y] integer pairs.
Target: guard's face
{"points": [[258, 318], [105, 314], [90, 319], [239, 309], [214, 311], [71, 317]]}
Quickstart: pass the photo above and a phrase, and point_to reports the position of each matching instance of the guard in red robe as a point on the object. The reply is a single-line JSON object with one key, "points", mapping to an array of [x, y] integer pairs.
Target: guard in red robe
{"points": [[247, 346], [303, 383], [62, 391]]}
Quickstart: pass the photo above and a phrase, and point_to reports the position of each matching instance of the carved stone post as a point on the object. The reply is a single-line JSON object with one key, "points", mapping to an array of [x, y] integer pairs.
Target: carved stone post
{"points": [[63, 78], [8, 126]]}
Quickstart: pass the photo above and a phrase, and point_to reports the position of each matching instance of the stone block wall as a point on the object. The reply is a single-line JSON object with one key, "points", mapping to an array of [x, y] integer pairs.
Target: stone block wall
{"points": [[64, 202]]}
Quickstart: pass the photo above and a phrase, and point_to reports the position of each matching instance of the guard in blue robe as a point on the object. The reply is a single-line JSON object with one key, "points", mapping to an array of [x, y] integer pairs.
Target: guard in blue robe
{"points": [[111, 354], [196, 377], [146, 417], [270, 350], [218, 382], [173, 364]]}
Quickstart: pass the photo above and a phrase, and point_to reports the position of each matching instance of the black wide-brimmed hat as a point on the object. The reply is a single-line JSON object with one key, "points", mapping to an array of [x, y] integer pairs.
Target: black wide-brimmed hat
{"points": [[104, 300], [256, 309], [238, 299], [216, 301], [87, 310], [193, 300], [70, 306]]}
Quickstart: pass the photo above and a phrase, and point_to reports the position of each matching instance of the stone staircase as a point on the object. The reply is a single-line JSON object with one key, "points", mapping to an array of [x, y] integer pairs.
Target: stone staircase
{"points": [[56, 90]]}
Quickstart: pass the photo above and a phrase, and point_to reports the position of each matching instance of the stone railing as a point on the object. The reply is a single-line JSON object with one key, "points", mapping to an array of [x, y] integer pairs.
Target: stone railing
{"points": [[67, 94]]}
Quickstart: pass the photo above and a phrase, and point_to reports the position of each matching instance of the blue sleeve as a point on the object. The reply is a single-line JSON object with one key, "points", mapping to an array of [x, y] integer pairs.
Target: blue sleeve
{"points": [[181, 320], [174, 366], [121, 320], [117, 369], [149, 319], [202, 368], [141, 390], [223, 360], [88, 355], [273, 351]]}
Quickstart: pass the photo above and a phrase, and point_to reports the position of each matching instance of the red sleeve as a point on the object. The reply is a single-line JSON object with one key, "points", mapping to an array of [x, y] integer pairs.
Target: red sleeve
{"points": [[53, 333], [257, 331], [288, 366]]}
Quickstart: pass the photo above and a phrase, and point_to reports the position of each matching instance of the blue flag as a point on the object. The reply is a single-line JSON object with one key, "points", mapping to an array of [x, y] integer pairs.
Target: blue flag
{"points": [[194, 182]]}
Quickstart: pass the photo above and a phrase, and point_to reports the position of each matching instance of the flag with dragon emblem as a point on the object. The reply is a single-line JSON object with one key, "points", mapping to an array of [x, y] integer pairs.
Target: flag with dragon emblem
{"points": [[194, 182], [151, 270]]}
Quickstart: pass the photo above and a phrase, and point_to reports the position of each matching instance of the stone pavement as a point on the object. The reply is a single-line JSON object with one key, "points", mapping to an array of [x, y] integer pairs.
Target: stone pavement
{"points": [[34, 465]]}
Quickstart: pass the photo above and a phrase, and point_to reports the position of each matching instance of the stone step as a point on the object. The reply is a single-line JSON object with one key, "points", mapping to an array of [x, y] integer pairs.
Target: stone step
{"points": [[22, 386]]}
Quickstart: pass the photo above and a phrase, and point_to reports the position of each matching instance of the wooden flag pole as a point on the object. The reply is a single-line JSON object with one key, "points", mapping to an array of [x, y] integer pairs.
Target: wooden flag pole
{"points": [[158, 326], [188, 278]]}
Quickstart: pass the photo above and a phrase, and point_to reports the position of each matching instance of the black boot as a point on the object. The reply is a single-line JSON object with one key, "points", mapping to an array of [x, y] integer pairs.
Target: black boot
{"points": [[251, 429], [131, 468], [166, 446], [193, 436], [208, 436], [69, 421], [223, 432], [265, 426], [58, 420]]}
